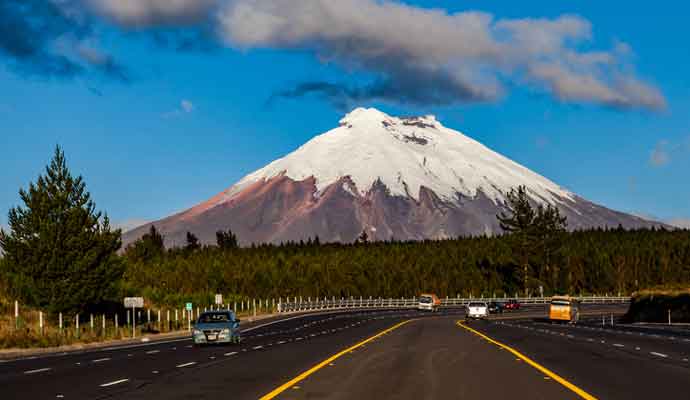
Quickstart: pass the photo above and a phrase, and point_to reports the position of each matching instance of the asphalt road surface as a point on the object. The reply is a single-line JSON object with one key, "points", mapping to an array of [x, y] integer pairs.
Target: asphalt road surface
{"points": [[391, 354]]}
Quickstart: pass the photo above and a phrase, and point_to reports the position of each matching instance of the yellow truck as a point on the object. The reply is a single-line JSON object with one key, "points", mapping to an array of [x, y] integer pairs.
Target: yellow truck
{"points": [[564, 309]]}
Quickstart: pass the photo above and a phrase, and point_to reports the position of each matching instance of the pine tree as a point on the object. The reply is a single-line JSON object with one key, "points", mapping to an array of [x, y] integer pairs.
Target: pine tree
{"points": [[60, 254], [147, 248], [192, 242], [363, 238], [549, 227], [226, 240], [520, 224]]}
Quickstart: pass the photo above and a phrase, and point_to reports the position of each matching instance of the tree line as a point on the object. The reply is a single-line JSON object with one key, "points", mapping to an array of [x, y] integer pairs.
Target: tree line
{"points": [[62, 255]]}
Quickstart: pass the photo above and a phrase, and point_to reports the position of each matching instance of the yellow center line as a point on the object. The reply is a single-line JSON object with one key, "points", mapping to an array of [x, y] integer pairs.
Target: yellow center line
{"points": [[303, 375], [533, 363]]}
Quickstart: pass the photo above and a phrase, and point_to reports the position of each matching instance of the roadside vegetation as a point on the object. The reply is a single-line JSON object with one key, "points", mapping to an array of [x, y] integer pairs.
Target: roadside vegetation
{"points": [[662, 304], [61, 256]]}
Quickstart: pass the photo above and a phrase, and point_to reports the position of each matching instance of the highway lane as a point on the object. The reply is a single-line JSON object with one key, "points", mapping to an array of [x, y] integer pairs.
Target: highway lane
{"points": [[273, 355], [656, 344], [427, 359], [609, 365], [122, 370]]}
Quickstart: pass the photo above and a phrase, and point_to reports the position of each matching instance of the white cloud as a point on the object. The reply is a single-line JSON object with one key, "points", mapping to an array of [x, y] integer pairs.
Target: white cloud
{"points": [[463, 56], [423, 56], [148, 13], [186, 107], [660, 156]]}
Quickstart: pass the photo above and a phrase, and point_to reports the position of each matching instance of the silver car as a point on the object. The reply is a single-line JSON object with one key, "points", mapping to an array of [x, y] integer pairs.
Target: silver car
{"points": [[216, 327]]}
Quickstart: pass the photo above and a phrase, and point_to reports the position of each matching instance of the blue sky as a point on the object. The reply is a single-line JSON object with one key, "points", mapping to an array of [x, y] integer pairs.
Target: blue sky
{"points": [[155, 129]]}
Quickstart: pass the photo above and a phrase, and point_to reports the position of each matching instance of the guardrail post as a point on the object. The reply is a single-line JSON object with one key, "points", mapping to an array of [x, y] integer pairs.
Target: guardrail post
{"points": [[40, 317], [16, 315]]}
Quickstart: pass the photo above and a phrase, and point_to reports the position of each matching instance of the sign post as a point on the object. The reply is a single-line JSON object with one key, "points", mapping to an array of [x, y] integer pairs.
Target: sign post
{"points": [[134, 303], [188, 307]]}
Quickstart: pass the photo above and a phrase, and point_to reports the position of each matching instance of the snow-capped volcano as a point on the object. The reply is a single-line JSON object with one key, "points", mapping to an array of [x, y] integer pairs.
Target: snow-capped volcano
{"points": [[397, 177], [404, 154]]}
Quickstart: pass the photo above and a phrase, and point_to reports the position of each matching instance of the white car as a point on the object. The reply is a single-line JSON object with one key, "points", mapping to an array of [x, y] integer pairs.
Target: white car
{"points": [[477, 309]]}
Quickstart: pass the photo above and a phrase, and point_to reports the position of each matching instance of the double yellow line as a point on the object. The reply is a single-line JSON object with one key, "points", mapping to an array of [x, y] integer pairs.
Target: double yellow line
{"points": [[531, 362], [327, 361]]}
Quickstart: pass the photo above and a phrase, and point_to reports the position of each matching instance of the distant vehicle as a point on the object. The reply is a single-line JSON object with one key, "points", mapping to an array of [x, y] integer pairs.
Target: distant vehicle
{"points": [[428, 302], [216, 327], [564, 308], [477, 309], [512, 305], [495, 308]]}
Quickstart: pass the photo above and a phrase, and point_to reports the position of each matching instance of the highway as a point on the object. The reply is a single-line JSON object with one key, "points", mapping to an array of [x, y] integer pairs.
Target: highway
{"points": [[385, 354]]}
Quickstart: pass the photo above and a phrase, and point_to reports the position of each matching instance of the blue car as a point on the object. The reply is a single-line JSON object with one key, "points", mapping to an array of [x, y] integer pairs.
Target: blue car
{"points": [[216, 327]]}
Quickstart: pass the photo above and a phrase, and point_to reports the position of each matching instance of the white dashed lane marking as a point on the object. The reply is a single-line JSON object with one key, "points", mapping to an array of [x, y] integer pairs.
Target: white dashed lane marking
{"points": [[153, 352], [232, 353], [189, 364], [101, 360], [654, 353], [36, 371], [115, 382]]}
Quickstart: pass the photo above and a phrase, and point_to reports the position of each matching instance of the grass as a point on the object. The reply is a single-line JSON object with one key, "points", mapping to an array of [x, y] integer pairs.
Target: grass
{"points": [[26, 332]]}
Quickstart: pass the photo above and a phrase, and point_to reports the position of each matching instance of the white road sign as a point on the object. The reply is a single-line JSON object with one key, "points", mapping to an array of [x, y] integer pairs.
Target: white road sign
{"points": [[134, 302], [219, 299]]}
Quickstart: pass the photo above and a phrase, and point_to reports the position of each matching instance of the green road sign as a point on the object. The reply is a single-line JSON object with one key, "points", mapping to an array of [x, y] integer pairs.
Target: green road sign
{"points": [[188, 306]]}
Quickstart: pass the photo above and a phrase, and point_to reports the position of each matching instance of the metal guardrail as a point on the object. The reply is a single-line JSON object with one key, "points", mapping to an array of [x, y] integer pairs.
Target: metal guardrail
{"points": [[306, 305]]}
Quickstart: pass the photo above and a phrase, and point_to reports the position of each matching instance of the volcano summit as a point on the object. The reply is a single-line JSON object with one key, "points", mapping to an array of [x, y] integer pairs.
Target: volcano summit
{"points": [[393, 177]]}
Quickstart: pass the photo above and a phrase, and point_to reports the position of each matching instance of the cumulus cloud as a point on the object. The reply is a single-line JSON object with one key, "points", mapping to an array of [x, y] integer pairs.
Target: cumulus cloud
{"points": [[413, 55], [49, 38], [28, 30], [154, 13], [428, 56], [105, 63]]}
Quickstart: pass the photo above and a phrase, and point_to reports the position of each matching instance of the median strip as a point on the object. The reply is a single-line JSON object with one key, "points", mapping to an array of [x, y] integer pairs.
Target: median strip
{"points": [[583, 394], [273, 394]]}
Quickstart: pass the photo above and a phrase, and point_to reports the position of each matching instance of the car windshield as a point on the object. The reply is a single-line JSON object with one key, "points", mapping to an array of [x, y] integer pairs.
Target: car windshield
{"points": [[212, 318], [477, 305], [560, 302], [425, 299]]}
